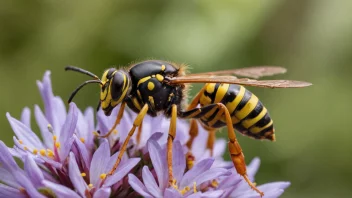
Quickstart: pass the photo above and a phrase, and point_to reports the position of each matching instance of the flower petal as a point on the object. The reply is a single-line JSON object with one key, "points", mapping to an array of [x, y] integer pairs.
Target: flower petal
{"points": [[159, 163], [60, 190], [171, 192], [75, 176], [7, 178], [121, 171], [89, 118], [99, 161], [102, 193], [213, 194], [138, 185], [178, 160], [24, 133], [197, 170], [211, 174], [83, 152], [273, 185], [33, 172], [43, 123], [70, 124], [6, 191], [253, 167], [65, 149], [150, 182], [26, 117]]}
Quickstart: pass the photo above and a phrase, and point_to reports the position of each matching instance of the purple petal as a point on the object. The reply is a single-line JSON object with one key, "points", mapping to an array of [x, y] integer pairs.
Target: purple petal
{"points": [[89, 117], [159, 163], [65, 149], [150, 182], [197, 170], [60, 190], [75, 176], [6, 191], [195, 195], [210, 174], [253, 167], [273, 185], [33, 172], [83, 152], [121, 171], [26, 117], [232, 180], [213, 194], [24, 133], [138, 185], [60, 110], [178, 160], [99, 162], [43, 126], [102, 193], [6, 160], [70, 124], [7, 178], [219, 147], [171, 192]]}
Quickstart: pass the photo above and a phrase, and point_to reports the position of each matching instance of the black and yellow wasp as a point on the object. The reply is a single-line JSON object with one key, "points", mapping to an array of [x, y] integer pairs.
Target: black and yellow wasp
{"points": [[156, 86]]}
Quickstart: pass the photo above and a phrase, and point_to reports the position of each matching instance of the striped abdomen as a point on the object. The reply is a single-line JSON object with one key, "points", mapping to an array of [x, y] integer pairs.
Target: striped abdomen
{"points": [[248, 114]]}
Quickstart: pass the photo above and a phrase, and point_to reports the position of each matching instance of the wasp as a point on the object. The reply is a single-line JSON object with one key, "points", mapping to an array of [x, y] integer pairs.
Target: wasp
{"points": [[155, 86]]}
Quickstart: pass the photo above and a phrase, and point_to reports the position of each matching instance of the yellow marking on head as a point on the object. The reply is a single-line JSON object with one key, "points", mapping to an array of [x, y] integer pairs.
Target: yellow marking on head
{"points": [[35, 151], [83, 174], [42, 152], [143, 80], [163, 67], [57, 145], [136, 103], [210, 88], [102, 176], [151, 100], [20, 141], [50, 153], [248, 107], [139, 93], [220, 93], [82, 139], [159, 77], [231, 106], [150, 86], [250, 122], [255, 129]]}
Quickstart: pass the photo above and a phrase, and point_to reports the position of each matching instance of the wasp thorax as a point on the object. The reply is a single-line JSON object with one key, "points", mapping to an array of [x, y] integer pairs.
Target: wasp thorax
{"points": [[116, 85]]}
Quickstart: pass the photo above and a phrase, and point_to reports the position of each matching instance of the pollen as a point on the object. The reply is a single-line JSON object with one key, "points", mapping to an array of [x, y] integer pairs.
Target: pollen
{"points": [[90, 185], [42, 152], [194, 187], [35, 151], [20, 141], [54, 137], [25, 148], [50, 153], [83, 174], [115, 131], [82, 139], [102, 176], [214, 183], [185, 190], [57, 144]]}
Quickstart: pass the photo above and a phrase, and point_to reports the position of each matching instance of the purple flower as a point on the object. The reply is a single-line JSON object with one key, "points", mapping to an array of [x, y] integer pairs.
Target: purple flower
{"points": [[70, 161]]}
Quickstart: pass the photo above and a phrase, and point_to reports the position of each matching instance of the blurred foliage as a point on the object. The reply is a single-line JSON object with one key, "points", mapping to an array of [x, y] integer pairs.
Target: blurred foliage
{"points": [[312, 38]]}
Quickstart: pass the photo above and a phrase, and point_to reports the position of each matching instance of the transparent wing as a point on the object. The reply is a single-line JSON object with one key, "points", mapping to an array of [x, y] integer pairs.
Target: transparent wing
{"points": [[239, 81], [251, 72]]}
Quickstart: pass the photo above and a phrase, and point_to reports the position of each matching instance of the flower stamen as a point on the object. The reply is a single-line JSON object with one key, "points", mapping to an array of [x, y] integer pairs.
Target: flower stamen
{"points": [[102, 176], [42, 152], [20, 141], [115, 131], [35, 151], [214, 183], [194, 187], [82, 139], [90, 185], [83, 174], [54, 137], [50, 153], [25, 148], [185, 190], [57, 145]]}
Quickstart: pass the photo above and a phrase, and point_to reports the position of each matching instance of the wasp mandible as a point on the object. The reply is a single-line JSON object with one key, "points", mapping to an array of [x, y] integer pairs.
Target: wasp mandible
{"points": [[156, 86]]}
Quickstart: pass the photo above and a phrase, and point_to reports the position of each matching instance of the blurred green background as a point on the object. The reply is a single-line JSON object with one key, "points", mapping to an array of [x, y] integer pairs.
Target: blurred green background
{"points": [[312, 38]]}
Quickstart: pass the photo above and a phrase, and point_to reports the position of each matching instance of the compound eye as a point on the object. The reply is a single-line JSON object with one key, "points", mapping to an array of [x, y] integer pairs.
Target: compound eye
{"points": [[117, 85]]}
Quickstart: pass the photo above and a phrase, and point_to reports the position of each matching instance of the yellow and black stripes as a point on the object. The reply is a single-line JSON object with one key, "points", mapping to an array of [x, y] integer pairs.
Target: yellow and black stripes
{"points": [[248, 114]]}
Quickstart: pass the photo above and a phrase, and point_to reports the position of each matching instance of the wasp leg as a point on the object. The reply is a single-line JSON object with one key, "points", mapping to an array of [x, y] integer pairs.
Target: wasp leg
{"points": [[236, 150], [170, 139], [139, 134], [117, 121], [137, 122], [193, 133], [195, 100]]}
